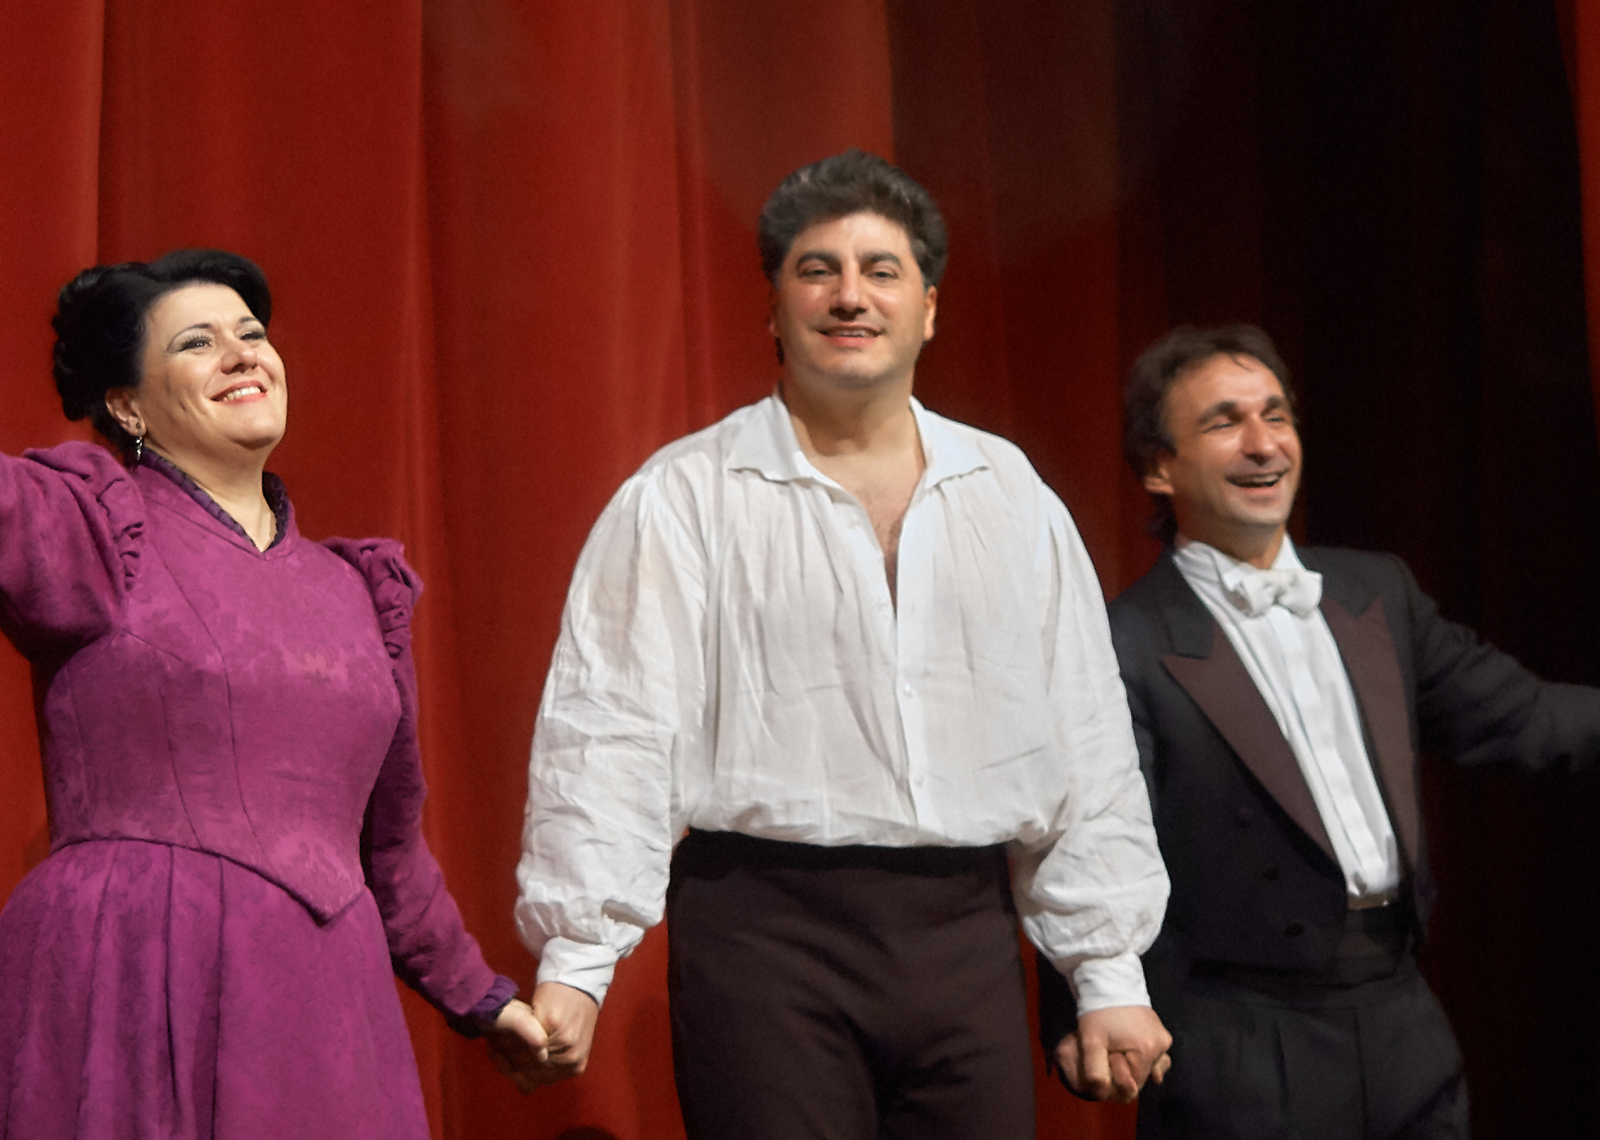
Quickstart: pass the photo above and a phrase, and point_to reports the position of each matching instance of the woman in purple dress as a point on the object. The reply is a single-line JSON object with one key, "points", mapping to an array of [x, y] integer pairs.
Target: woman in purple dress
{"points": [[227, 715]]}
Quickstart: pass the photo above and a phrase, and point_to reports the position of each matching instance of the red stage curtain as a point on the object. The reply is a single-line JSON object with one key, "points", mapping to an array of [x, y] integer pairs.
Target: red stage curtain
{"points": [[512, 247], [1580, 27]]}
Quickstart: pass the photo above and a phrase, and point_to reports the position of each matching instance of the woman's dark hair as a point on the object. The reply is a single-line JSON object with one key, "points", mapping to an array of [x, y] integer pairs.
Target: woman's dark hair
{"points": [[100, 323], [1145, 435], [851, 183]]}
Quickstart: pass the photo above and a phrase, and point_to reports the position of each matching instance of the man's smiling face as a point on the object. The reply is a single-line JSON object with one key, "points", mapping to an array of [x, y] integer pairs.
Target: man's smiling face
{"points": [[850, 306], [1234, 466]]}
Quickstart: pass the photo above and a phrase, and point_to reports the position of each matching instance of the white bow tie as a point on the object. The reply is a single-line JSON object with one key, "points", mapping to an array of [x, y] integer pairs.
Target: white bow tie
{"points": [[1293, 588]]}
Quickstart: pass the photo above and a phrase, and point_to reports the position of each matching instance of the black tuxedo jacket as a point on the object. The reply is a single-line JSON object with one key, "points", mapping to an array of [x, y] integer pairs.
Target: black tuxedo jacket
{"points": [[1254, 880]]}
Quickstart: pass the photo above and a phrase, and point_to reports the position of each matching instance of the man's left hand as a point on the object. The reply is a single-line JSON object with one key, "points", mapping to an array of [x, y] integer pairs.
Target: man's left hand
{"points": [[1114, 1051]]}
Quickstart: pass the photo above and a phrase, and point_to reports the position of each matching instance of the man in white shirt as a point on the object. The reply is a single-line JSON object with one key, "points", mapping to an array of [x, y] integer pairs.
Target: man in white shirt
{"points": [[1279, 697], [859, 652]]}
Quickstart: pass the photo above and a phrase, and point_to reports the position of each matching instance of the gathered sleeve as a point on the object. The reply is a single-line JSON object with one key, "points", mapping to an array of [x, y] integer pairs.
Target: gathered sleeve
{"points": [[621, 717], [1092, 896], [71, 533], [430, 946]]}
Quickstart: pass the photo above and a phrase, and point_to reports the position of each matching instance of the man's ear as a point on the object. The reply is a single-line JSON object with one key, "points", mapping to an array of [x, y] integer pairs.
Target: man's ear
{"points": [[772, 321], [1157, 480]]}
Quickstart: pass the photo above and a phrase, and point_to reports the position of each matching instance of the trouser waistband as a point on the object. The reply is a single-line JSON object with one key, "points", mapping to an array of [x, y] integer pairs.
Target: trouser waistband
{"points": [[700, 851]]}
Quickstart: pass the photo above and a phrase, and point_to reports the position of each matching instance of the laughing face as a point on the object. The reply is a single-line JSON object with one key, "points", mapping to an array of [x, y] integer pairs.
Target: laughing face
{"points": [[1235, 463], [850, 307], [212, 387]]}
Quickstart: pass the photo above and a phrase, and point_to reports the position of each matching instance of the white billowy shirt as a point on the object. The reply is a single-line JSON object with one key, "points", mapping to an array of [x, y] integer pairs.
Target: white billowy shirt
{"points": [[1295, 663], [730, 659]]}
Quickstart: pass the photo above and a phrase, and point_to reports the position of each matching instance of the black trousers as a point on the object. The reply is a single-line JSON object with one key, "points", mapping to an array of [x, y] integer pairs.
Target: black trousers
{"points": [[856, 993], [1280, 1057]]}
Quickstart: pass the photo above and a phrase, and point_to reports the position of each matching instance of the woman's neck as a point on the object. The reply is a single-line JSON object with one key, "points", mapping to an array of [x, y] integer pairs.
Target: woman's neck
{"points": [[236, 488]]}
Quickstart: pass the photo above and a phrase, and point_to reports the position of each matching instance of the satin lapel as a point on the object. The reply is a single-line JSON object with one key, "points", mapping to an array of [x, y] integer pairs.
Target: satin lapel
{"points": [[1222, 688], [1374, 669]]}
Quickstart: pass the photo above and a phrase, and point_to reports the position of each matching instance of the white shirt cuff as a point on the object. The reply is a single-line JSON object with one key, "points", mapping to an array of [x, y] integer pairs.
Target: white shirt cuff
{"points": [[581, 965], [1101, 983]]}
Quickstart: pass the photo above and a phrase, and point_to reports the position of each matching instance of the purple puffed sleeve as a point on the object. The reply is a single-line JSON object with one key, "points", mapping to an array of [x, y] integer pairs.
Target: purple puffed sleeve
{"points": [[71, 531], [432, 950]]}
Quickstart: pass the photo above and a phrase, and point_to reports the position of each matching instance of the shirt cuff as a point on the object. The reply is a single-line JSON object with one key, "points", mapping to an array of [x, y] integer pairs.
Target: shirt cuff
{"points": [[581, 965], [1101, 983]]}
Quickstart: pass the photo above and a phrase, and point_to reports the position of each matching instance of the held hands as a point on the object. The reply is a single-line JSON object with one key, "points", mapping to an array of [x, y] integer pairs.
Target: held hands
{"points": [[1113, 1051], [1109, 1057], [518, 1044], [546, 1041]]}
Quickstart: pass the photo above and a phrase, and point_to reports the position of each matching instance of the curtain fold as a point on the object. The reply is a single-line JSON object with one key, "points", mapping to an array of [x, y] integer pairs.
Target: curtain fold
{"points": [[1580, 28], [50, 124]]}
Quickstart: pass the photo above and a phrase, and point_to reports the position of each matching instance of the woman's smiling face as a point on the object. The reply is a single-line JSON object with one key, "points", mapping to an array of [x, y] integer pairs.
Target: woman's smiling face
{"points": [[212, 386]]}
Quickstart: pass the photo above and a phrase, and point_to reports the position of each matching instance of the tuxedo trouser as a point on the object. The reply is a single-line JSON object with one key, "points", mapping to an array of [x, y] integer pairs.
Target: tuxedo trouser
{"points": [[1276, 1057], [846, 993]]}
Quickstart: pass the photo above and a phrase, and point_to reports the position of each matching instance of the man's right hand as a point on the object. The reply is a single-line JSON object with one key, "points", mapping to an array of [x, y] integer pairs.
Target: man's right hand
{"points": [[568, 1016]]}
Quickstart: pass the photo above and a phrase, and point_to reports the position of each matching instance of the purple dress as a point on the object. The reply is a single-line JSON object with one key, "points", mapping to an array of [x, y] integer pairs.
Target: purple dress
{"points": [[235, 796]]}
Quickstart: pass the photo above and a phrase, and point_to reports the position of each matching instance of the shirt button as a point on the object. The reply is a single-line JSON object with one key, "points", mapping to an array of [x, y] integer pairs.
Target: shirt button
{"points": [[1242, 817], [906, 689], [1270, 873], [1295, 929]]}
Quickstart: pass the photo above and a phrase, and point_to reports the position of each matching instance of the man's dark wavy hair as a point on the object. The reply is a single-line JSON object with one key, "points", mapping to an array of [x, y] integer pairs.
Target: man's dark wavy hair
{"points": [[100, 324], [851, 183], [1145, 436]]}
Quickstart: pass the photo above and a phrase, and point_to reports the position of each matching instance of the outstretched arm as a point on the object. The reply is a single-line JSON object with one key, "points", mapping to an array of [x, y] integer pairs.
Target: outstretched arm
{"points": [[71, 532]]}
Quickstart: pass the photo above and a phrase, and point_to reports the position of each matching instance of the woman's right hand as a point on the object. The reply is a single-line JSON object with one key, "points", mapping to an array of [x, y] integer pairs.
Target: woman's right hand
{"points": [[519, 1046]]}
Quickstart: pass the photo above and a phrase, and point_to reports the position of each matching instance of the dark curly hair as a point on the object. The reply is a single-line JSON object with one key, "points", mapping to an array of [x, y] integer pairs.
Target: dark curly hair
{"points": [[1145, 435], [851, 183], [100, 323]]}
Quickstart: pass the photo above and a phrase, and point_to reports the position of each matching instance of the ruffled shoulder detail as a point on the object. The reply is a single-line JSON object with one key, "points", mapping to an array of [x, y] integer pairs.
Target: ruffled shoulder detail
{"points": [[98, 476], [394, 584]]}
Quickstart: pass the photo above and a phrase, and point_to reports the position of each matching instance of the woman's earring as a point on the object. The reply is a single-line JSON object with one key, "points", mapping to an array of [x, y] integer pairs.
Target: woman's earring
{"points": [[138, 450]]}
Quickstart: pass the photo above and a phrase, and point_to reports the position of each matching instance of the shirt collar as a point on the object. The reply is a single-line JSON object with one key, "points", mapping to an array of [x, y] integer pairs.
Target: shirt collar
{"points": [[766, 443], [1199, 560]]}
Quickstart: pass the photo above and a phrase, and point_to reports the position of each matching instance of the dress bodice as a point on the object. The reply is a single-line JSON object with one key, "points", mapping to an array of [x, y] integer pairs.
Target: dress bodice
{"points": [[193, 689]]}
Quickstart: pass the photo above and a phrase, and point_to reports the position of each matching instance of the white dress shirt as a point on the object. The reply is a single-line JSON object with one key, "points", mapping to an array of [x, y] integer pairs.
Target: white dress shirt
{"points": [[1295, 663], [730, 659]]}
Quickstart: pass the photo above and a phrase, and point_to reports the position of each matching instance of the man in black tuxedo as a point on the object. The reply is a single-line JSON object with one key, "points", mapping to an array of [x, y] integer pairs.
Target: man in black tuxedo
{"points": [[1280, 697]]}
